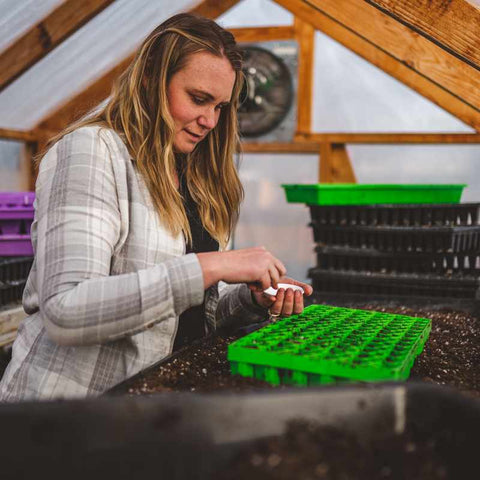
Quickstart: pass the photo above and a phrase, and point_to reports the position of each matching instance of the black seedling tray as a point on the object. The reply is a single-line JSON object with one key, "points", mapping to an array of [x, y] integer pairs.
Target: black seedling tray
{"points": [[398, 215], [195, 437], [391, 284], [398, 239], [14, 268], [358, 259], [11, 292]]}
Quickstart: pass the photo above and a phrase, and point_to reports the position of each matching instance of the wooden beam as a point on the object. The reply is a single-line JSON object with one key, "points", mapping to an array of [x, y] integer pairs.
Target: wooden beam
{"points": [[335, 164], [262, 34], [45, 36], [21, 135], [415, 61], [274, 147], [99, 90], [213, 8], [452, 25], [390, 138], [305, 36]]}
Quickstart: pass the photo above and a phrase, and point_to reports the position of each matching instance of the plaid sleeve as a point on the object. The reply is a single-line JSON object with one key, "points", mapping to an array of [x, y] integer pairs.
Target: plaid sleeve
{"points": [[78, 226], [235, 306]]}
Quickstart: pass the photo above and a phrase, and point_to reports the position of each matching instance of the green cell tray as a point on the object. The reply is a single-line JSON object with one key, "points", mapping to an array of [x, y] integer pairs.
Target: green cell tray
{"points": [[371, 194], [326, 344]]}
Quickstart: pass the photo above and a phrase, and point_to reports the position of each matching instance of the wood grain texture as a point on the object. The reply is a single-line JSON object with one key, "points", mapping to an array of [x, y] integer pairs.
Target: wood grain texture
{"points": [[454, 24], [335, 164], [416, 62], [100, 89], [262, 34], [390, 138], [305, 36], [45, 36]]}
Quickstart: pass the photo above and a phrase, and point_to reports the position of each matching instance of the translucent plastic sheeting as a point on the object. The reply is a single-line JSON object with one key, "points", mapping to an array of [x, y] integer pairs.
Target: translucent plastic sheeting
{"points": [[95, 48], [266, 219], [352, 95], [255, 13], [17, 17], [11, 177]]}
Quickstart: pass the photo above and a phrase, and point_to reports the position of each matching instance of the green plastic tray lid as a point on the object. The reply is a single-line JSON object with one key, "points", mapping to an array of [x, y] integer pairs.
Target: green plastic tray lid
{"points": [[368, 194]]}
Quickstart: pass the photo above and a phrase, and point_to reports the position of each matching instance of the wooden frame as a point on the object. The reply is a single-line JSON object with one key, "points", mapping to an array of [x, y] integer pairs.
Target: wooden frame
{"points": [[415, 61], [305, 36], [452, 25], [44, 36]]}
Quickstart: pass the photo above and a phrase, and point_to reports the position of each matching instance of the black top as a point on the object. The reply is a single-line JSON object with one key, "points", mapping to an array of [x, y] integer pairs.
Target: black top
{"points": [[191, 323]]}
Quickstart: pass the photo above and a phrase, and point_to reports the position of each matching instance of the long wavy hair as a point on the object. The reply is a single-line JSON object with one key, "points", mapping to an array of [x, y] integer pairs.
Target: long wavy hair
{"points": [[138, 111]]}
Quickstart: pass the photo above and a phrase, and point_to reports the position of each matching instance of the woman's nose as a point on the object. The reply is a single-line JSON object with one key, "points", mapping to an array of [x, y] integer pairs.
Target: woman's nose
{"points": [[208, 119]]}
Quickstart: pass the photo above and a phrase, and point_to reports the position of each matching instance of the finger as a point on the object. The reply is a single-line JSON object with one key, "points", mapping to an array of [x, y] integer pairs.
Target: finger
{"points": [[274, 276], [276, 307], [287, 307], [266, 281], [306, 287], [255, 287], [280, 267], [298, 303]]}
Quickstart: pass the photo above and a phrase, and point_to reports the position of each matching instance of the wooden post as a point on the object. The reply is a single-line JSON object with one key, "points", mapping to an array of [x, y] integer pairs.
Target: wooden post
{"points": [[335, 165], [305, 36]]}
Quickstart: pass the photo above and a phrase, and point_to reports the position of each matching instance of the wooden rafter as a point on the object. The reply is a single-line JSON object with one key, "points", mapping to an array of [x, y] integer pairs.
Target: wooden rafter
{"points": [[20, 135], [99, 90], [262, 34], [45, 36], [453, 25], [415, 61]]}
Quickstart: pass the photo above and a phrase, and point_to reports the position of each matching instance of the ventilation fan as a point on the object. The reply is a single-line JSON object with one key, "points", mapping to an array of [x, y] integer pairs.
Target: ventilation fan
{"points": [[268, 92]]}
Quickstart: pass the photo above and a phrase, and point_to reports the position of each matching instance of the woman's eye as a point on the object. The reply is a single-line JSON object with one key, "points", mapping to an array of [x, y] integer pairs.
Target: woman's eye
{"points": [[198, 100]]}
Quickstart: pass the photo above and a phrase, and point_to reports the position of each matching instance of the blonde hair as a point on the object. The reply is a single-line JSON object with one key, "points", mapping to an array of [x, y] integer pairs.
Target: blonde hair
{"points": [[138, 111]]}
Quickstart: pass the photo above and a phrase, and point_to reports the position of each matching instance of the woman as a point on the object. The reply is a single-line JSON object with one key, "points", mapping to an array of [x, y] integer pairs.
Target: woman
{"points": [[132, 205]]}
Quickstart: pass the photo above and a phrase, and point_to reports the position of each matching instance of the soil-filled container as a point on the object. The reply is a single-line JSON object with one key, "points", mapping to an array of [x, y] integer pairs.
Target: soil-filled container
{"points": [[406, 431]]}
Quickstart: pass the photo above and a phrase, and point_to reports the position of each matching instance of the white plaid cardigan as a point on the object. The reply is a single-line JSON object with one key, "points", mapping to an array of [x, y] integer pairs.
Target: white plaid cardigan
{"points": [[108, 282]]}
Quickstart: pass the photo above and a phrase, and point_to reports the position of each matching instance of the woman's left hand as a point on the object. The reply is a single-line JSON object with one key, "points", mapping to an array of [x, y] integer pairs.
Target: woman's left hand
{"points": [[285, 302]]}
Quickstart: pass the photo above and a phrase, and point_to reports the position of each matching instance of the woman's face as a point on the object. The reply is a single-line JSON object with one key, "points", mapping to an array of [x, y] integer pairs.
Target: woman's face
{"points": [[196, 94]]}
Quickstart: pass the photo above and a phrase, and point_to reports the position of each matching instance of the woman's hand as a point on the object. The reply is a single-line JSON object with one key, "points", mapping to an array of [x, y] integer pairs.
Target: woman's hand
{"points": [[286, 302], [255, 266]]}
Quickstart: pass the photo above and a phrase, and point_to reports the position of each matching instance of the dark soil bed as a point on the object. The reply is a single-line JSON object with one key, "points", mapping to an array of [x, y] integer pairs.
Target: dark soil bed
{"points": [[309, 451], [451, 357]]}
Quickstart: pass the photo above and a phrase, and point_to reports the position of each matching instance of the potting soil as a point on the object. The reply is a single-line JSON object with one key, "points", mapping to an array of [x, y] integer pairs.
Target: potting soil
{"points": [[451, 357]]}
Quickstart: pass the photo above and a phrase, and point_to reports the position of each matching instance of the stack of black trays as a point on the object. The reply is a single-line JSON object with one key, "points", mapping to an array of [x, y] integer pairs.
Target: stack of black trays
{"points": [[398, 251], [13, 276]]}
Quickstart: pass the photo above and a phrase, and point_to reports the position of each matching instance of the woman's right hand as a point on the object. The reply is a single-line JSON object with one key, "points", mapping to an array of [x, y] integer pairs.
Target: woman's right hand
{"points": [[255, 266]]}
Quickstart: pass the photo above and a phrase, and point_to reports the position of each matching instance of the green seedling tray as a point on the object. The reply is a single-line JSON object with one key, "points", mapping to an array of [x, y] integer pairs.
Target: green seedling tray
{"points": [[326, 344], [371, 194]]}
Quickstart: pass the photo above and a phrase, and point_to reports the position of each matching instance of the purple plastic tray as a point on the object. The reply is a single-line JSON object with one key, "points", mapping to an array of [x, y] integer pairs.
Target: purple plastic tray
{"points": [[16, 216]]}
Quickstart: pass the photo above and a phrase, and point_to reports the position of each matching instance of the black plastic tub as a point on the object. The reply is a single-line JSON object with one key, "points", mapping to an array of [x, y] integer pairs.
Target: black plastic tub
{"points": [[443, 287], [11, 291], [401, 215], [346, 258], [400, 239], [192, 436], [14, 268]]}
